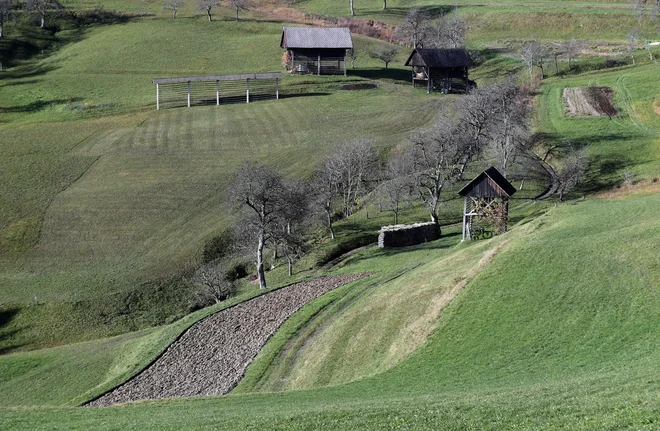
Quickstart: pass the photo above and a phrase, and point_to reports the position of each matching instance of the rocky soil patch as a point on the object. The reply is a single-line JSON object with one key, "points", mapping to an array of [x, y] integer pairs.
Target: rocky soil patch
{"points": [[211, 357], [592, 101]]}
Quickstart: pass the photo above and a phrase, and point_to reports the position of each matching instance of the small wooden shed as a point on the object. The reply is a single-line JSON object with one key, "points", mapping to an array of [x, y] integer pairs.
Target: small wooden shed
{"points": [[488, 193], [441, 69], [318, 50]]}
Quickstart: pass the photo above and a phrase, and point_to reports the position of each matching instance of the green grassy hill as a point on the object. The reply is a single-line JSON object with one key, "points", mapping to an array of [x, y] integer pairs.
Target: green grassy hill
{"points": [[546, 331], [106, 204]]}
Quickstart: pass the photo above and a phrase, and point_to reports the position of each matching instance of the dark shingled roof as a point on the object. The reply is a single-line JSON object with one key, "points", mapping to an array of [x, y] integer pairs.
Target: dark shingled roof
{"points": [[316, 37], [495, 176], [437, 57]]}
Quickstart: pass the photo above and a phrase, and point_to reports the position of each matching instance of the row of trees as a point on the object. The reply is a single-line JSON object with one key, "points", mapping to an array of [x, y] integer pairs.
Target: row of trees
{"points": [[488, 126], [422, 31], [45, 7], [42, 7]]}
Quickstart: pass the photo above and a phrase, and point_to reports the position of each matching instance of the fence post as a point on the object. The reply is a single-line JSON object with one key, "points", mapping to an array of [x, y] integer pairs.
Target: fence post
{"points": [[188, 94], [319, 65], [277, 88], [248, 90], [157, 97], [217, 93]]}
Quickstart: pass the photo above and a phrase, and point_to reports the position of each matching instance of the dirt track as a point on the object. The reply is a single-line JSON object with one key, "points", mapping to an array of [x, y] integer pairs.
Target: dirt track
{"points": [[211, 357]]}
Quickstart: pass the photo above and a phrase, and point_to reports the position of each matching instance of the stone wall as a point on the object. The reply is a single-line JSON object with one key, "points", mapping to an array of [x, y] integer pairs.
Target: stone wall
{"points": [[405, 235]]}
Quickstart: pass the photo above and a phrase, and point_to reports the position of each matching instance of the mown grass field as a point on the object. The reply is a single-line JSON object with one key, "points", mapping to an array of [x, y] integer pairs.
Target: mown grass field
{"points": [[549, 333], [106, 203], [107, 200]]}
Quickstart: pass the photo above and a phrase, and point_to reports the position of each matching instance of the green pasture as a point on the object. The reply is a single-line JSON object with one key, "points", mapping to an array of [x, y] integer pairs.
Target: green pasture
{"points": [[547, 332], [106, 203], [630, 141]]}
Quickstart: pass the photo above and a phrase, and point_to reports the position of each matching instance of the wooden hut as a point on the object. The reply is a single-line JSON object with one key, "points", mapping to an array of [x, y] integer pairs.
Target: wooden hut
{"points": [[318, 50], [440, 69], [487, 194]]}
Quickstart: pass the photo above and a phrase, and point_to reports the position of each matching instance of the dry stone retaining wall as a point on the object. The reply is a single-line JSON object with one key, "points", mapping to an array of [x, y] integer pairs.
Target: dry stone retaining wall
{"points": [[405, 235], [211, 357]]}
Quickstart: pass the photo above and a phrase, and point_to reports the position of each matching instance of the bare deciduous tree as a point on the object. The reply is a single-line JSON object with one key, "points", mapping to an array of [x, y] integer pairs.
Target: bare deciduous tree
{"points": [[414, 27], [353, 163], [384, 53], [444, 152], [6, 13], [325, 187], [207, 6], [446, 32], [213, 285], [238, 5], [571, 48], [259, 189], [397, 188], [568, 176], [352, 54], [633, 40], [174, 6], [350, 6], [510, 130], [43, 8], [530, 54]]}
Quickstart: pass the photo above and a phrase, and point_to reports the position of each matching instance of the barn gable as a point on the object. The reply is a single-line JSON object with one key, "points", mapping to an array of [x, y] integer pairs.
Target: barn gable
{"points": [[489, 184]]}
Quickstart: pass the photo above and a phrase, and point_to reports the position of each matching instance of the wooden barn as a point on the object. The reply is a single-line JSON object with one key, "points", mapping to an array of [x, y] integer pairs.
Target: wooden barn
{"points": [[442, 70], [317, 50], [487, 194]]}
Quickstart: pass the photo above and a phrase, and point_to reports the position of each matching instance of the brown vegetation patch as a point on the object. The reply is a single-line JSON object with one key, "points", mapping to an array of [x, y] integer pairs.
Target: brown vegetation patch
{"points": [[590, 101], [211, 357], [646, 187], [365, 27], [358, 87], [656, 107]]}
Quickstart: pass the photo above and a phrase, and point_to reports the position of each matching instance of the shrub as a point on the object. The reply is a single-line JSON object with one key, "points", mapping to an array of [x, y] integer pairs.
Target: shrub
{"points": [[219, 246]]}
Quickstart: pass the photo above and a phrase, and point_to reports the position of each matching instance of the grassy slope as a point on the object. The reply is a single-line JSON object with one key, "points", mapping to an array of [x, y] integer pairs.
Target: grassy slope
{"points": [[602, 395], [630, 141], [551, 332], [100, 205]]}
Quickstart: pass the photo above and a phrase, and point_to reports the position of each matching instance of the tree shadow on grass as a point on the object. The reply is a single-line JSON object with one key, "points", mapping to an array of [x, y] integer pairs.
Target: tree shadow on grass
{"points": [[433, 11], [6, 316], [394, 74], [375, 253], [37, 106]]}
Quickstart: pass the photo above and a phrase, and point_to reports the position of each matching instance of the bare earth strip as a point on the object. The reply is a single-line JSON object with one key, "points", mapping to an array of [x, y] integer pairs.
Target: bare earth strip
{"points": [[592, 101], [211, 357]]}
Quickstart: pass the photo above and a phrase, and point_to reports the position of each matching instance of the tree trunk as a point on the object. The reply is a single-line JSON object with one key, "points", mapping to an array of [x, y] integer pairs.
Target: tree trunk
{"points": [[236, 14], [352, 10], [260, 262], [290, 267], [556, 66], [43, 20], [329, 216], [208, 12], [386, 64], [0, 29], [174, 14], [384, 4]]}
